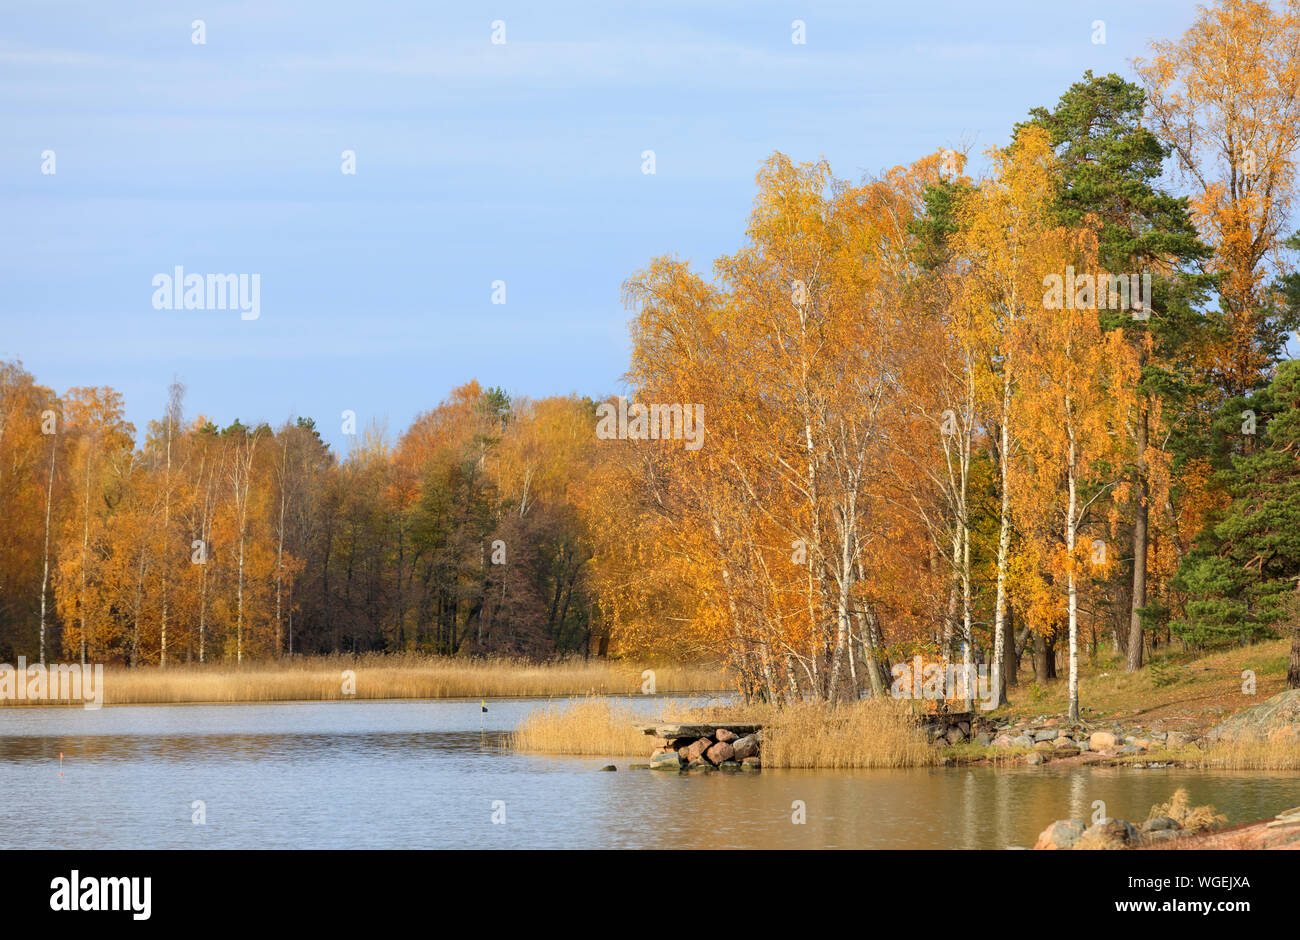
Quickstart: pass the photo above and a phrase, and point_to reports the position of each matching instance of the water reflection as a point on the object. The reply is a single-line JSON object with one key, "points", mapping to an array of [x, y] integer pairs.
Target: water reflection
{"points": [[425, 774]]}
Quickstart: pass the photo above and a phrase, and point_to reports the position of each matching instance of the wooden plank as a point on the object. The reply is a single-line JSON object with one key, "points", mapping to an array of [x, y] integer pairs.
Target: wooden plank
{"points": [[694, 729]]}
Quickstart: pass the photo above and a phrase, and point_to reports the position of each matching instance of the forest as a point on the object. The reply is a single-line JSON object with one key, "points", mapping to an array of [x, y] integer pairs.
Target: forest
{"points": [[1028, 416]]}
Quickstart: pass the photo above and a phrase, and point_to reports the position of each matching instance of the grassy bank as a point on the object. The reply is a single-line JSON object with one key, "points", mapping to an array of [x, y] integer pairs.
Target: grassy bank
{"points": [[377, 676], [1204, 689], [859, 735]]}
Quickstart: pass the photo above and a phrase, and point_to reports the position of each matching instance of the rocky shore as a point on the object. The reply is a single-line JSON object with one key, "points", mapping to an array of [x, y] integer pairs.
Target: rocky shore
{"points": [[701, 748], [1173, 826]]}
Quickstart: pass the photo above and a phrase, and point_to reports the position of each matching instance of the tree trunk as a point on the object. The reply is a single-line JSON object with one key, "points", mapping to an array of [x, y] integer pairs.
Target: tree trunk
{"points": [[1133, 655]]}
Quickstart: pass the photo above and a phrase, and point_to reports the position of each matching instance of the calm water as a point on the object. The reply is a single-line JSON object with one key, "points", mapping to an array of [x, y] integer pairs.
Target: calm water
{"points": [[426, 775]]}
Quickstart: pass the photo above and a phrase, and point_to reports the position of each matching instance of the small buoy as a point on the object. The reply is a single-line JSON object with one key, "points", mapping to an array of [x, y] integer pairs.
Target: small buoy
{"points": [[484, 704], [60, 763]]}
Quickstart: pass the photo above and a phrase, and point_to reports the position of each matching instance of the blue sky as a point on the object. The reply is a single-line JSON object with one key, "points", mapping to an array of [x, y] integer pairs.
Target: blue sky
{"points": [[475, 162]]}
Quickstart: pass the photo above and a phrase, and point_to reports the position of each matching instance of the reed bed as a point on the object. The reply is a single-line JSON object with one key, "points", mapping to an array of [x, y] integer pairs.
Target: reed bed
{"points": [[393, 676], [863, 734], [1281, 751], [590, 726]]}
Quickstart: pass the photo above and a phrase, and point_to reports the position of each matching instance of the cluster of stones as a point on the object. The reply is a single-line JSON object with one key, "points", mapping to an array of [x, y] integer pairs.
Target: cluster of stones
{"points": [[704, 748], [1111, 834], [1051, 738]]}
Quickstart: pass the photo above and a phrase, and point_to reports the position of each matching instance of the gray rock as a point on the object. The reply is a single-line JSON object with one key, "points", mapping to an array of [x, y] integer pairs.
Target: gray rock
{"points": [[1109, 834], [1158, 823], [1062, 834], [669, 761], [982, 739], [745, 747], [608, 767], [1048, 735], [1278, 715]]}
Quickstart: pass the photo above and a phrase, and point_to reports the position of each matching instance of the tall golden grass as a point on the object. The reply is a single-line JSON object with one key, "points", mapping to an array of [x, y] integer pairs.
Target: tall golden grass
{"points": [[582, 726], [1281, 751], [400, 676], [872, 733], [1193, 818]]}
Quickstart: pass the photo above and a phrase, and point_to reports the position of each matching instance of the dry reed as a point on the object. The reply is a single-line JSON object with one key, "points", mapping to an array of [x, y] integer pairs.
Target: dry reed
{"points": [[400, 676]]}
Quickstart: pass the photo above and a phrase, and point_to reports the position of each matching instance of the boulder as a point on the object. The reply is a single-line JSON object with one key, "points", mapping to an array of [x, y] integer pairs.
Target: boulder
{"points": [[1277, 717], [1158, 823], [751, 763], [982, 739], [1062, 834], [696, 751], [609, 767], [955, 736], [730, 766], [722, 751], [1108, 834], [1047, 735], [669, 760], [724, 736], [745, 747], [1036, 758], [699, 766], [1101, 740], [1002, 741]]}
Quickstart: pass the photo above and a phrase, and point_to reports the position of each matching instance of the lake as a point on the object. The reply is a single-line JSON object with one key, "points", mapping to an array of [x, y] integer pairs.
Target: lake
{"points": [[431, 774]]}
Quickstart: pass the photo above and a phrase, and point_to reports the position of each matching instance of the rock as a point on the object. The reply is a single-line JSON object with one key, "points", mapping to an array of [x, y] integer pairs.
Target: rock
{"points": [[722, 735], [701, 766], [1062, 834], [955, 736], [751, 763], [667, 761], [1142, 744], [638, 766], [1177, 739], [730, 766], [1101, 740], [1060, 752], [1023, 741], [722, 751], [696, 751], [1036, 758], [1158, 823], [745, 747], [982, 739], [1108, 834], [964, 726], [1002, 741], [1049, 735], [1278, 716]]}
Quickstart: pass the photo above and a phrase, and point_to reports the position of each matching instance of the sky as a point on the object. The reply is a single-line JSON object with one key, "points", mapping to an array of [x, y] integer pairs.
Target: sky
{"points": [[476, 162]]}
